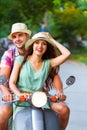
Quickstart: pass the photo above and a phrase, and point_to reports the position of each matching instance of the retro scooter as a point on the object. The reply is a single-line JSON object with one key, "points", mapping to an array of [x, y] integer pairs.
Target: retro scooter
{"points": [[36, 117]]}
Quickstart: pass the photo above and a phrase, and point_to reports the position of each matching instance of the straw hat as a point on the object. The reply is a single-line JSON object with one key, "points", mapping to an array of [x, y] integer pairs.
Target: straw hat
{"points": [[19, 27], [38, 36]]}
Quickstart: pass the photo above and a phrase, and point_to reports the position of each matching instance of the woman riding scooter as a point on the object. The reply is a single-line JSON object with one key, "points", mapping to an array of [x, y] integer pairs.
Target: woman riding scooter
{"points": [[30, 72]]}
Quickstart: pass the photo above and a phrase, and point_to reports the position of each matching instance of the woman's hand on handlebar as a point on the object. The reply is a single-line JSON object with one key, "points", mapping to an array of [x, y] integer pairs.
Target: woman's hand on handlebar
{"points": [[61, 96], [25, 95]]}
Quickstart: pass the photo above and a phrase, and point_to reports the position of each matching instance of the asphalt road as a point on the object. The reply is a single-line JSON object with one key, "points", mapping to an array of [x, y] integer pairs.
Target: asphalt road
{"points": [[76, 94]]}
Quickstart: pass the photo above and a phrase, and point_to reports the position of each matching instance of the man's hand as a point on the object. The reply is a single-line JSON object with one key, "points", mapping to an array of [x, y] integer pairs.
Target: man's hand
{"points": [[7, 96]]}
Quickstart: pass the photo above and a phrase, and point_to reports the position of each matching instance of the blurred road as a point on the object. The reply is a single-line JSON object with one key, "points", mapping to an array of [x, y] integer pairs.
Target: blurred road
{"points": [[76, 94]]}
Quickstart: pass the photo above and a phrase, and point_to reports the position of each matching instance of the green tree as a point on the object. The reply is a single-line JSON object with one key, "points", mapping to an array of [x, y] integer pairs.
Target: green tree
{"points": [[29, 11], [70, 22], [65, 18]]}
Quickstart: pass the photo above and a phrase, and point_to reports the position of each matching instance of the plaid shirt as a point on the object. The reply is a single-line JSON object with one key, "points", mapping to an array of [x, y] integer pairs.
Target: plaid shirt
{"points": [[8, 57]]}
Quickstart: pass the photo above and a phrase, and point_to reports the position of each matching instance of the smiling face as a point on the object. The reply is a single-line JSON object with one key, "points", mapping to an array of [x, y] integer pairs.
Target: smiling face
{"points": [[19, 39], [39, 47]]}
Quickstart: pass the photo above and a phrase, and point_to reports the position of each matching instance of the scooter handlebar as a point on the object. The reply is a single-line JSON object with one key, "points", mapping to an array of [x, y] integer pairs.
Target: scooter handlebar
{"points": [[38, 99]]}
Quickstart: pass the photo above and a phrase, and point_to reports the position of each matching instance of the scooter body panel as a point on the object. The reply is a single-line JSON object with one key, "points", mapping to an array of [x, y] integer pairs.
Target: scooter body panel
{"points": [[36, 119], [51, 120], [23, 120]]}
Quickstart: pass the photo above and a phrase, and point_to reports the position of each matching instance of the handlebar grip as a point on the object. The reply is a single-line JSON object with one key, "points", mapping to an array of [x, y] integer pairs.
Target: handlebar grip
{"points": [[53, 98], [22, 98]]}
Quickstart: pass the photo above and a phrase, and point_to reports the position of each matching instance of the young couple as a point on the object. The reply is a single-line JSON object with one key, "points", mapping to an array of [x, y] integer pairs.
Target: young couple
{"points": [[35, 60]]}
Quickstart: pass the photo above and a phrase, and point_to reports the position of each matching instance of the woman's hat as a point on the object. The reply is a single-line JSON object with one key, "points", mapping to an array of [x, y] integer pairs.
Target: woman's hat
{"points": [[19, 27], [38, 36]]}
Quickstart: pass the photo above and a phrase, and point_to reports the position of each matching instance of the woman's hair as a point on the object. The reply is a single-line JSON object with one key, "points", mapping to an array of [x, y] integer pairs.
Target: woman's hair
{"points": [[49, 82], [51, 52]]}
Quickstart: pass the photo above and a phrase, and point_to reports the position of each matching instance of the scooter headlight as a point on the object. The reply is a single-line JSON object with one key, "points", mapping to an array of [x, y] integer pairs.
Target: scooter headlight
{"points": [[39, 99]]}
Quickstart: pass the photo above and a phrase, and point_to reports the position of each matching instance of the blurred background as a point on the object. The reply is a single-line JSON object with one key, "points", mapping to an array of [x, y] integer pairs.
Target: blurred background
{"points": [[65, 20]]}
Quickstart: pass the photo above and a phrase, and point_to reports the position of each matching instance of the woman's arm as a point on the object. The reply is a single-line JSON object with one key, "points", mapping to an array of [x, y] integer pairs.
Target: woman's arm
{"points": [[59, 87], [58, 83], [65, 53], [14, 78]]}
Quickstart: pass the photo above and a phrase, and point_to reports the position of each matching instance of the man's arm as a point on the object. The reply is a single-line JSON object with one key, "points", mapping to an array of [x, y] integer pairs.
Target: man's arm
{"points": [[5, 71], [2, 79], [4, 76], [4, 87], [59, 87], [5, 67]]}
